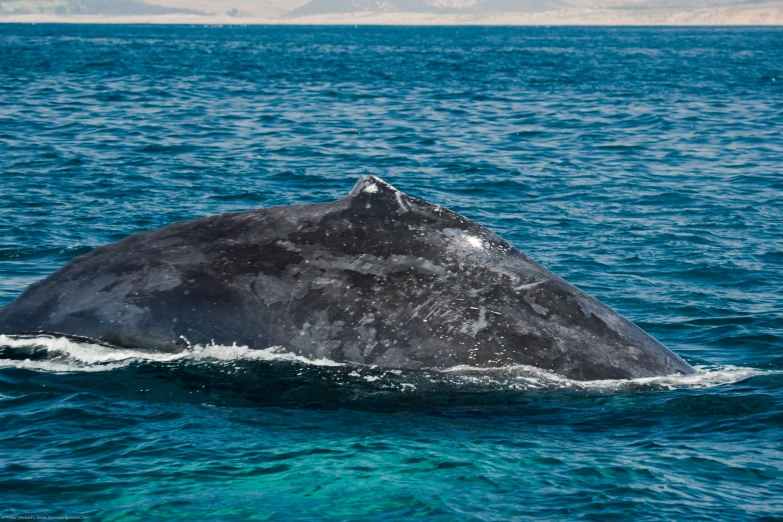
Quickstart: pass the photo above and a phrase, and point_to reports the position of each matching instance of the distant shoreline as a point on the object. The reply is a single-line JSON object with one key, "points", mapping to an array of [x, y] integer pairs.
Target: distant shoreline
{"points": [[758, 14]]}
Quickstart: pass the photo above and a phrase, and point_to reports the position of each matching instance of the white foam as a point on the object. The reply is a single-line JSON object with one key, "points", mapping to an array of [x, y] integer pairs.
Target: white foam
{"points": [[57, 367], [705, 377], [65, 355]]}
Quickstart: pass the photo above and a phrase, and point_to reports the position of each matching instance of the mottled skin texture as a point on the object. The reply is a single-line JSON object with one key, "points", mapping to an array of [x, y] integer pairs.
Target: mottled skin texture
{"points": [[375, 278]]}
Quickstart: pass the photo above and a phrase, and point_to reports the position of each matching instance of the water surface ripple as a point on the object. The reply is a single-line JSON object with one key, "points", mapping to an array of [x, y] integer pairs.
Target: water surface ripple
{"points": [[643, 165]]}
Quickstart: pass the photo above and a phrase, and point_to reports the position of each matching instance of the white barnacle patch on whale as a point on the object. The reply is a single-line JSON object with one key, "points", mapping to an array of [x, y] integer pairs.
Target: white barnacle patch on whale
{"points": [[370, 188], [463, 241], [474, 241]]}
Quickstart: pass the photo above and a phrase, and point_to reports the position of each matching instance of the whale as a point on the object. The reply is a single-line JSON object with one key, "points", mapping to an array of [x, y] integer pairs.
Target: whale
{"points": [[377, 278]]}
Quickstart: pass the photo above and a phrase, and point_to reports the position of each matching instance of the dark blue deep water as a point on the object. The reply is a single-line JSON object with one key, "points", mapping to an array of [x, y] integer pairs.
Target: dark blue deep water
{"points": [[643, 165]]}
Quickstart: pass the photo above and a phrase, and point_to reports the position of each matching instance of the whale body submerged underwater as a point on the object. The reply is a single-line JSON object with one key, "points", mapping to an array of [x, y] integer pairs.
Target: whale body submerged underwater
{"points": [[375, 278]]}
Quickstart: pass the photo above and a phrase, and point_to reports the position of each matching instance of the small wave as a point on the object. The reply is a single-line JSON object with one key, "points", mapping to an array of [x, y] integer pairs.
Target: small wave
{"points": [[705, 377], [64, 355], [61, 354]]}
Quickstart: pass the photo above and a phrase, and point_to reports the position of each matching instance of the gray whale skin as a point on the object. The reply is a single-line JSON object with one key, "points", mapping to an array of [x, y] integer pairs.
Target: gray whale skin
{"points": [[375, 278]]}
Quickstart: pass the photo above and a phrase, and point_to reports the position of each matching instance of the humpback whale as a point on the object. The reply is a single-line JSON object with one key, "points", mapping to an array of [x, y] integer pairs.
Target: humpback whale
{"points": [[375, 278]]}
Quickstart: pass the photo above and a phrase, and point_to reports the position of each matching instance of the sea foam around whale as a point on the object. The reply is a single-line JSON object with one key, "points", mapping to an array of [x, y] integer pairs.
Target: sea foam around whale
{"points": [[48, 353]]}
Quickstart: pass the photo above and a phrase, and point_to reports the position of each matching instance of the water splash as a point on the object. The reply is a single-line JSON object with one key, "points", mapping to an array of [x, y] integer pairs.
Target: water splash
{"points": [[48, 353], [61, 354]]}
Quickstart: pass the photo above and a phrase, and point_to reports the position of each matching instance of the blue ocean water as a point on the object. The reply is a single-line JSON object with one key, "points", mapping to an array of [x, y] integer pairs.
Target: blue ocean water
{"points": [[643, 165]]}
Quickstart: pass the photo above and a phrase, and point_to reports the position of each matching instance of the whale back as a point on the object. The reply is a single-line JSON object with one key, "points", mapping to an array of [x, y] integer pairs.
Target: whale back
{"points": [[375, 278]]}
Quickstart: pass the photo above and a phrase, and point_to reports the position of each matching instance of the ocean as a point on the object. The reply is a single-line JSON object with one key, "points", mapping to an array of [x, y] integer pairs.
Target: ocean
{"points": [[644, 165]]}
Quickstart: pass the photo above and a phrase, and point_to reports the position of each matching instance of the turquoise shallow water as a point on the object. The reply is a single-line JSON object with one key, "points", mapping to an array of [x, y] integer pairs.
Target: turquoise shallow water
{"points": [[643, 165]]}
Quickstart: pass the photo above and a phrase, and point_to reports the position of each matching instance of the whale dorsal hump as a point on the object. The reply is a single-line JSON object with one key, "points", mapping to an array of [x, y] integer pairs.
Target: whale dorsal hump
{"points": [[373, 191], [373, 185]]}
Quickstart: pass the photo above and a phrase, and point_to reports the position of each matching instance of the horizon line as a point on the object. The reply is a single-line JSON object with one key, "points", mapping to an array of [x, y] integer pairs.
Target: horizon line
{"points": [[755, 14]]}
